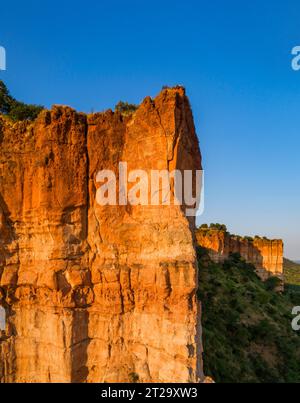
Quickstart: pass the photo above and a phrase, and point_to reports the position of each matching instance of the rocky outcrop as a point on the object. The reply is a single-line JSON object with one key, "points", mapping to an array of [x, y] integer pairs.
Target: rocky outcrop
{"points": [[265, 254], [96, 293]]}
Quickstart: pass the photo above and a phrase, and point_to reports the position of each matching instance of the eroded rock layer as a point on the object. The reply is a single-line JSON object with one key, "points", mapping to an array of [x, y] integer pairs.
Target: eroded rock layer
{"points": [[265, 254], [96, 293]]}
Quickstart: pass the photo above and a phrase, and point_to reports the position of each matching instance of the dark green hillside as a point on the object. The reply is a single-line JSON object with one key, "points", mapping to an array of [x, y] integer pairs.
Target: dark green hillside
{"points": [[292, 275], [247, 332]]}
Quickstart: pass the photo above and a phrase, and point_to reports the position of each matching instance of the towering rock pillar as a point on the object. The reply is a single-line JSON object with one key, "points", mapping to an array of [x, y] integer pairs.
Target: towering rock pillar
{"points": [[97, 293]]}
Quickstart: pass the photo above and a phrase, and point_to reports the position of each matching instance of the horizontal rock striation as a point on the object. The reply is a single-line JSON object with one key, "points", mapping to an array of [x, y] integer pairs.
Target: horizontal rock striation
{"points": [[265, 254], [97, 293]]}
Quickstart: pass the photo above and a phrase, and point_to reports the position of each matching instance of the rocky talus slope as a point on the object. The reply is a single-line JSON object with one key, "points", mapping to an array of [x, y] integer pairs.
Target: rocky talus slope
{"points": [[96, 293]]}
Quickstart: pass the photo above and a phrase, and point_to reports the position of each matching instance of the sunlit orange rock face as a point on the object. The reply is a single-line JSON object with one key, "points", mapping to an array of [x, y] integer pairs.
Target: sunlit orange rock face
{"points": [[265, 254], [97, 293]]}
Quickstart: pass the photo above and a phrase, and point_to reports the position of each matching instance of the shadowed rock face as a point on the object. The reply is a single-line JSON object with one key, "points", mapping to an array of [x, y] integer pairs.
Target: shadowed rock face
{"points": [[265, 254], [96, 293]]}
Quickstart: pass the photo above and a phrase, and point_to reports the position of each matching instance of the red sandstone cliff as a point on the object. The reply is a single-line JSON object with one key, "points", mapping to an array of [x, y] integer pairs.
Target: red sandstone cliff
{"points": [[96, 293], [266, 255]]}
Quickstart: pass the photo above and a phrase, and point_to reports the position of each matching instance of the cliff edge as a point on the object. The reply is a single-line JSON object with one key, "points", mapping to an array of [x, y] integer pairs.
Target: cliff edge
{"points": [[265, 254], [97, 293]]}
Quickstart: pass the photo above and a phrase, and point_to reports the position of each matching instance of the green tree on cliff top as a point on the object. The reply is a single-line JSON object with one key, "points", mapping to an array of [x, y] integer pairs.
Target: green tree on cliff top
{"points": [[125, 108], [14, 109]]}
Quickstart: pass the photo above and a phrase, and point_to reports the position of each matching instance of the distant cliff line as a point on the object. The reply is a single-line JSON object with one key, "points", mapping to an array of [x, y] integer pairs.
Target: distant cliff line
{"points": [[265, 254]]}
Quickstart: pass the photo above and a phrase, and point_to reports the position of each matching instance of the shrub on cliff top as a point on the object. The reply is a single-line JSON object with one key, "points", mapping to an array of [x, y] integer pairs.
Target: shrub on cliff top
{"points": [[217, 226], [220, 227], [14, 109], [5, 99], [125, 108]]}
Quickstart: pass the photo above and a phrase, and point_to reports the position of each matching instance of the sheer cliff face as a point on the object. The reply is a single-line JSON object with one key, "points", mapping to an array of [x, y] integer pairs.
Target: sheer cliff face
{"points": [[96, 293], [266, 255]]}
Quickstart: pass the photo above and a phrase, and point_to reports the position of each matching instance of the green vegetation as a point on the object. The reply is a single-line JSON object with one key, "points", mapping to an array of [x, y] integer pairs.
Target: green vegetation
{"points": [[247, 331], [125, 108], [292, 274], [217, 226], [222, 228], [292, 279], [14, 109], [248, 238]]}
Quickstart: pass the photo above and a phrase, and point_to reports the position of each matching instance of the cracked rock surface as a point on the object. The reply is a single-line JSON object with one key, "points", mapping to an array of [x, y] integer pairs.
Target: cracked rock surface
{"points": [[97, 293]]}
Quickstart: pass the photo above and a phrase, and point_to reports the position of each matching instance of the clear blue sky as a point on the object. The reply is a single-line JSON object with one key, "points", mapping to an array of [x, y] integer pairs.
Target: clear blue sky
{"points": [[234, 58]]}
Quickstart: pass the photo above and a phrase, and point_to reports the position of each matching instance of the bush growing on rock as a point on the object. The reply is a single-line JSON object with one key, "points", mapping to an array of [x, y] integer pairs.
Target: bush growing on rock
{"points": [[14, 109], [125, 108]]}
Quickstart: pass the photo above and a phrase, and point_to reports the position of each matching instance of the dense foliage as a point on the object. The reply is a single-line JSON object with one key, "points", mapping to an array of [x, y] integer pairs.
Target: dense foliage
{"points": [[247, 331], [217, 226], [14, 109], [292, 275], [125, 108]]}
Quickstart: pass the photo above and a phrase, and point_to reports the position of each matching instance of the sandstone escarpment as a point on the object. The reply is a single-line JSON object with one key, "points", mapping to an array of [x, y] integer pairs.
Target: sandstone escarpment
{"points": [[96, 293], [265, 254]]}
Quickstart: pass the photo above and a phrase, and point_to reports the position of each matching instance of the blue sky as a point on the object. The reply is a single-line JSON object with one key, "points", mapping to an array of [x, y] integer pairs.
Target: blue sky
{"points": [[233, 57]]}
